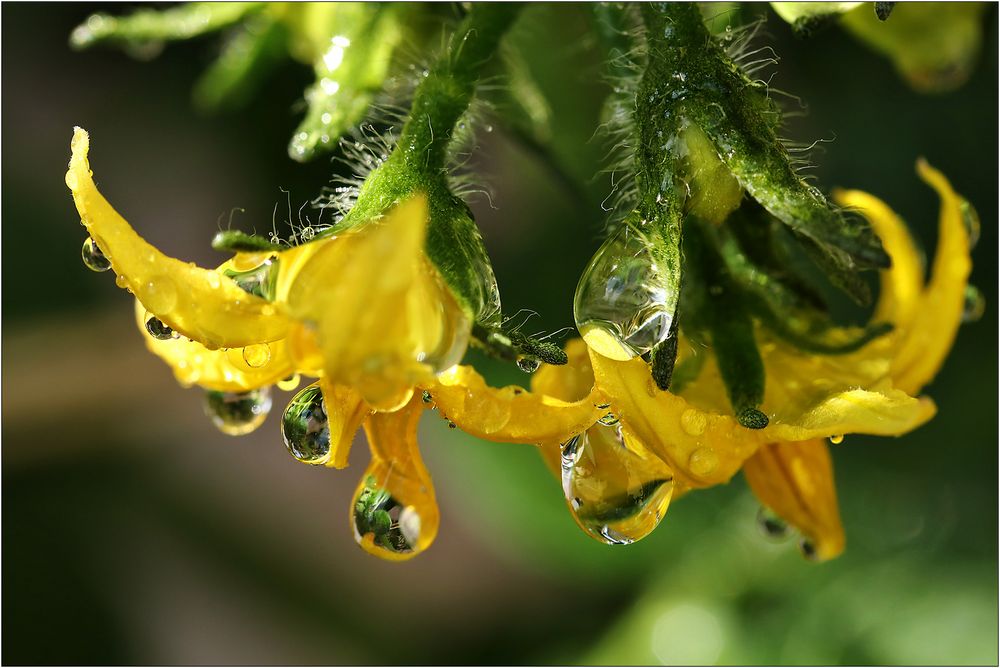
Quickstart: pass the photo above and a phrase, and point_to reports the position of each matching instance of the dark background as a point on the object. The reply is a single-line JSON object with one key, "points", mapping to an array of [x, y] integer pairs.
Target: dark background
{"points": [[133, 532]]}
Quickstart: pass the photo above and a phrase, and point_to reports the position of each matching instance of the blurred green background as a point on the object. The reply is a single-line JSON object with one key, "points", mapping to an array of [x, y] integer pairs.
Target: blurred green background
{"points": [[134, 532]]}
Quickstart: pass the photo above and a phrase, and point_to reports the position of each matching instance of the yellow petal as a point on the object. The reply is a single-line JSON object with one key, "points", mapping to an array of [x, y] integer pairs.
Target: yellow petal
{"points": [[383, 318], [199, 303], [510, 414], [900, 285], [795, 480], [225, 370], [706, 448], [394, 512], [884, 413], [345, 412], [702, 448], [926, 343]]}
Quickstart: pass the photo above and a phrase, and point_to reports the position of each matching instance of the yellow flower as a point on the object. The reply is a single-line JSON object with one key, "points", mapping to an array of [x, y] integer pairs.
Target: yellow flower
{"points": [[689, 440], [365, 312]]}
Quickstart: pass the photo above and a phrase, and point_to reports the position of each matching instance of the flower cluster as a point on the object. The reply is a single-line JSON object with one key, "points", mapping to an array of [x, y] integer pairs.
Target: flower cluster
{"points": [[702, 351]]}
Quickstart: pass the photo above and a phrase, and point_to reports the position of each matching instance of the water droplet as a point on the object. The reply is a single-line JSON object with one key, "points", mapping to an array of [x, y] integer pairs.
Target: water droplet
{"points": [[305, 427], [261, 281], [93, 257], [290, 383], [703, 461], [256, 355], [121, 281], [528, 365], [158, 329], [837, 439], [160, 294], [238, 413], [388, 513], [452, 344], [617, 492], [693, 422], [975, 304], [609, 420], [808, 549], [770, 524], [625, 299], [970, 217]]}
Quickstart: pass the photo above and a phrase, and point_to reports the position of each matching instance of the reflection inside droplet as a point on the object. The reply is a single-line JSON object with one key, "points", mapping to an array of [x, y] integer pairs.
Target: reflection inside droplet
{"points": [[93, 257], [238, 413], [617, 492], [305, 427], [625, 300], [261, 281]]}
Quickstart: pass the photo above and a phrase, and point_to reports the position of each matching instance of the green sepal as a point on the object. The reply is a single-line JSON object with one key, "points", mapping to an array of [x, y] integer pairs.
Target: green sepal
{"points": [[253, 50], [513, 346], [147, 27], [729, 326], [234, 241], [775, 297], [350, 69], [664, 358], [691, 80]]}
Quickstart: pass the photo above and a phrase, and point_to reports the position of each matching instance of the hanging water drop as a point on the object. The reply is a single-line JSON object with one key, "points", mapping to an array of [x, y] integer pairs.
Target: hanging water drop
{"points": [[93, 257], [256, 355], [608, 420], [808, 549], [837, 439], [625, 300], [261, 281], [158, 329], [388, 526], [975, 304], [528, 365], [305, 427], [617, 491], [238, 413], [970, 218], [770, 524]]}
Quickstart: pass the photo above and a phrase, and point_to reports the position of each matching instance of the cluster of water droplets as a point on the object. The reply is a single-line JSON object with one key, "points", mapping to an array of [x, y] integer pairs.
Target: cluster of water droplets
{"points": [[625, 302], [616, 490]]}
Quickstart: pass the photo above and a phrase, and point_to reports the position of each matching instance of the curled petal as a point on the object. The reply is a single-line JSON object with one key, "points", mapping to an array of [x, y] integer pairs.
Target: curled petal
{"points": [[705, 448], [701, 447], [925, 344], [383, 319], [394, 512], [900, 285], [511, 414], [225, 370], [201, 304], [795, 480], [345, 412]]}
